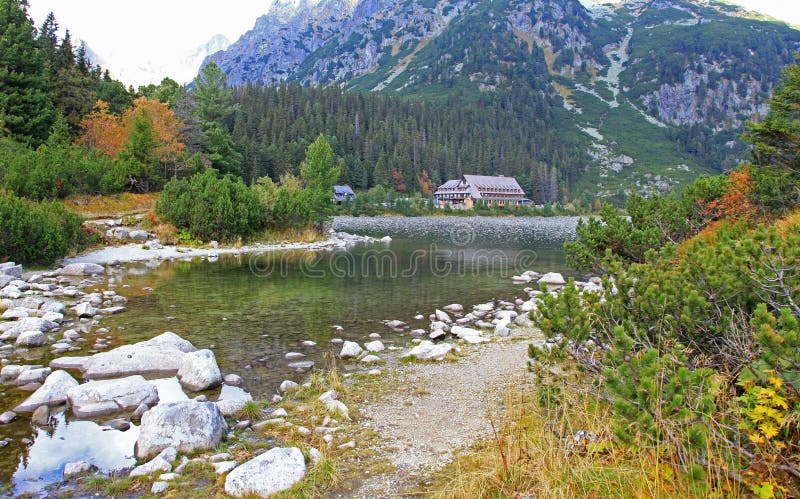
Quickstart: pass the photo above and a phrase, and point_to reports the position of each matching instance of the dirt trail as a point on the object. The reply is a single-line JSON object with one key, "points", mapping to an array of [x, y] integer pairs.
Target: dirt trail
{"points": [[426, 413]]}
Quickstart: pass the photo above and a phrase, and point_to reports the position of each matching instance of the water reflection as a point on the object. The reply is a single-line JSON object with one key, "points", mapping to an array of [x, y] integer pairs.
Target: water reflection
{"points": [[68, 441]]}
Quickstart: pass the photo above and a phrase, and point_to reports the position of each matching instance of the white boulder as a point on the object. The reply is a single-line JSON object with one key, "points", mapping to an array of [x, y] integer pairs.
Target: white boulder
{"points": [[427, 350], [100, 398], [52, 392], [30, 339], [375, 346], [199, 371], [350, 349], [274, 471], [186, 425], [160, 355], [79, 269]]}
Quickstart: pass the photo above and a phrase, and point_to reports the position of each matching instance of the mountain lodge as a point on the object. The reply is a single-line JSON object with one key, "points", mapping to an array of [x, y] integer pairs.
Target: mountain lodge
{"points": [[494, 191]]}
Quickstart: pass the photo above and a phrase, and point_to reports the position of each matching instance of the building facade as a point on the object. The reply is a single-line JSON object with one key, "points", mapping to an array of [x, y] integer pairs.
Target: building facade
{"points": [[470, 189]]}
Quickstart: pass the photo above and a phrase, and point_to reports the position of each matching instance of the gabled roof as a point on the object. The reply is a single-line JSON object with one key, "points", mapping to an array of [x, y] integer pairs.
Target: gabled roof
{"points": [[485, 182], [450, 184]]}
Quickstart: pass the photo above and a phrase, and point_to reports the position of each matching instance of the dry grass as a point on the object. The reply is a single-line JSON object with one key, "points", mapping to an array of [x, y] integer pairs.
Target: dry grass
{"points": [[533, 453], [304, 235], [114, 205]]}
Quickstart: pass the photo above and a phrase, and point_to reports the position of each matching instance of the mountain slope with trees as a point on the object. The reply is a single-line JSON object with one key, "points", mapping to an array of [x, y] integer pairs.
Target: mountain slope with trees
{"points": [[651, 93]]}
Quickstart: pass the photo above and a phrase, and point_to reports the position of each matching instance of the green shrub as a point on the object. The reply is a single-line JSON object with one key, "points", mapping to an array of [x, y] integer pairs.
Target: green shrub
{"points": [[211, 207], [691, 324], [650, 223], [37, 233]]}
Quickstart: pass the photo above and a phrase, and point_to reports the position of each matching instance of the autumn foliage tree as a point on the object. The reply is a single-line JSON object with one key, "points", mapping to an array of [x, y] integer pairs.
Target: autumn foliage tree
{"points": [[149, 128]]}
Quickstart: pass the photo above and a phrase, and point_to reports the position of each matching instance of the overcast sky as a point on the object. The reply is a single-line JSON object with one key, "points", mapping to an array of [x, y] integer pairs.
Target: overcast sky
{"points": [[157, 33]]}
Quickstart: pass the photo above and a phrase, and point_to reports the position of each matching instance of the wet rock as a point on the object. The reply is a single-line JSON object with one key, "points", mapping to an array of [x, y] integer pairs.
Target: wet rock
{"points": [[552, 279], [111, 310], [78, 363], [417, 332], [199, 371], [100, 398], [30, 339], [41, 416], [161, 463], [85, 309], [186, 426], [77, 468], [437, 334], [395, 324], [139, 412], [32, 375], [233, 380], [274, 471], [303, 364], [160, 355], [454, 307], [52, 392], [118, 424], [442, 316], [427, 350], [8, 417], [81, 269], [350, 349], [294, 355]]}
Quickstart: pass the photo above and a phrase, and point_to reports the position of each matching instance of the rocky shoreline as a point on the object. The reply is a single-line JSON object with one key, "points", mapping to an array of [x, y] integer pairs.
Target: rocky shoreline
{"points": [[139, 246], [39, 306]]}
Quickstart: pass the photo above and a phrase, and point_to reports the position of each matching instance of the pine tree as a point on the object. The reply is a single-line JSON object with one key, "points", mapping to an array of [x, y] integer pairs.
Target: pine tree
{"points": [[25, 106], [319, 172]]}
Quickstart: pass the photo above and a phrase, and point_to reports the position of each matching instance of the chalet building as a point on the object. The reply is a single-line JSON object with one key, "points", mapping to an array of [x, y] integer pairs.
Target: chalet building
{"points": [[494, 191], [342, 193]]}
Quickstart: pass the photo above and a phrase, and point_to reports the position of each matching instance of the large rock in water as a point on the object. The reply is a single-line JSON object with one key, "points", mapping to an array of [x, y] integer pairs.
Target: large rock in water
{"points": [[160, 355], [185, 425], [271, 472], [350, 349], [199, 371], [52, 392], [82, 269], [100, 398]]}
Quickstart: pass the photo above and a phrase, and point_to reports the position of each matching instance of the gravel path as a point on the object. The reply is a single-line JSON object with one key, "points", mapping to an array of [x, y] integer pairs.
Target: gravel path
{"points": [[425, 413]]}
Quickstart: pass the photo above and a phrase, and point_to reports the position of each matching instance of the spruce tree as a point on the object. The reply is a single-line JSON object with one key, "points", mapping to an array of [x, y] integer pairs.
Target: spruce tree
{"points": [[25, 106]]}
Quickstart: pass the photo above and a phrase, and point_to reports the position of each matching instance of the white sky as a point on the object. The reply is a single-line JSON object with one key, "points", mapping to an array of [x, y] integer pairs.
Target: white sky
{"points": [[155, 34]]}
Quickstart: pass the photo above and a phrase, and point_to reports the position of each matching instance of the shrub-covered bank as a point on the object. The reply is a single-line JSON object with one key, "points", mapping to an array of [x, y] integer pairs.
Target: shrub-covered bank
{"points": [[680, 374], [37, 233]]}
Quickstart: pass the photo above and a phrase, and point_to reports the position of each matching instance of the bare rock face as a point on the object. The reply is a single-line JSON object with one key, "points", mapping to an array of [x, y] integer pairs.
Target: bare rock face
{"points": [[185, 425], [100, 398], [271, 472]]}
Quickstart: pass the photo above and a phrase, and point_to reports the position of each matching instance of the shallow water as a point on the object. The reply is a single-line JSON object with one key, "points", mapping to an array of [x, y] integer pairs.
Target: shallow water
{"points": [[253, 309]]}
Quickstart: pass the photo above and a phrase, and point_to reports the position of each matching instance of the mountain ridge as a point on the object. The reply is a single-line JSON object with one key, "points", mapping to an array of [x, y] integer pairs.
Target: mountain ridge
{"points": [[691, 73]]}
